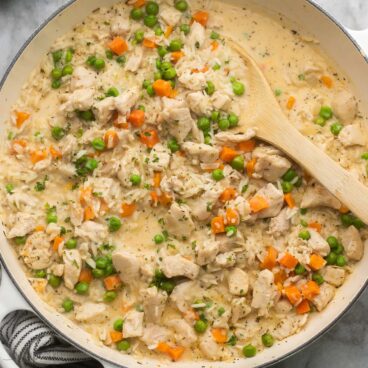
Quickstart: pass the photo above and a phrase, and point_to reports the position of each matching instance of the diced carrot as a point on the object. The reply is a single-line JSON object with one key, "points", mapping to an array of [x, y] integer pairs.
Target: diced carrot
{"points": [[176, 56], [310, 290], [118, 45], [163, 347], [202, 70], [316, 262], [39, 228], [149, 43], [269, 261], [126, 308], [293, 294], [127, 209], [288, 198], [250, 166], [219, 335], [232, 217], [162, 88], [343, 209], [258, 203], [164, 199], [116, 336], [218, 225], [112, 282], [173, 93], [157, 179], [57, 241], [290, 102], [149, 137], [303, 307], [280, 277], [228, 194], [214, 45], [174, 352], [228, 154], [191, 314], [326, 81], [38, 155], [103, 206], [168, 31], [247, 146], [136, 118], [21, 117], [288, 261], [315, 225], [89, 213], [139, 3], [154, 198], [111, 139], [201, 17], [55, 153], [85, 196], [86, 275]]}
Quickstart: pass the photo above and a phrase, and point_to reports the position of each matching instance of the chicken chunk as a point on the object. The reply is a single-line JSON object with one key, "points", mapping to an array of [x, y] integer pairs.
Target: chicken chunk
{"points": [[345, 106], [153, 334], [170, 15], [133, 324], [184, 293], [173, 266], [192, 81], [264, 292], [326, 293], [238, 282], [270, 165], [127, 264], [184, 333], [154, 301], [179, 221], [318, 243], [199, 103], [69, 146], [241, 205], [333, 275], [207, 251], [239, 309], [209, 347], [352, 135], [196, 36], [92, 230], [275, 199], [88, 312], [352, 243], [80, 100], [126, 100], [281, 223], [36, 252], [104, 109], [201, 152], [159, 158], [22, 224], [201, 206], [318, 196], [134, 60], [226, 260], [120, 26], [233, 138], [73, 267], [289, 326], [82, 78], [221, 101]]}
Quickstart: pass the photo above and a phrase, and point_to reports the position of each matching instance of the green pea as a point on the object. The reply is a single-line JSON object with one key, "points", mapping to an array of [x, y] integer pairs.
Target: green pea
{"points": [[173, 145], [331, 258], [71, 243], [216, 67], [112, 92], [364, 156], [339, 249], [238, 88], [101, 263], [152, 8], [286, 186], [51, 216], [204, 124], [167, 286], [67, 305], [109, 54], [56, 73], [56, 84], [210, 88], [98, 273], [139, 36], [318, 278], [224, 124], [81, 288], [325, 112], [358, 223], [305, 235], [238, 163], [150, 20], [347, 219], [233, 120], [175, 45], [118, 325], [98, 144], [9, 188], [58, 132], [200, 326], [340, 261], [91, 164], [320, 121], [303, 211], [336, 128], [121, 59], [299, 269], [231, 231], [181, 5], [162, 51], [164, 65], [150, 91], [158, 238], [67, 70], [114, 224], [54, 281], [158, 31], [215, 115], [40, 274], [86, 115], [136, 13], [332, 242], [57, 55], [69, 55], [207, 139], [220, 311], [267, 340], [249, 351], [278, 92], [123, 345], [289, 175], [217, 174], [185, 28], [169, 74], [99, 64], [214, 35], [110, 296], [135, 179]]}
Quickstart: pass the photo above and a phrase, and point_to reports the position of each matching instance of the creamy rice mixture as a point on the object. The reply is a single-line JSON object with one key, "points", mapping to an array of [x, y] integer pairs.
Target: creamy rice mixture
{"points": [[136, 209]]}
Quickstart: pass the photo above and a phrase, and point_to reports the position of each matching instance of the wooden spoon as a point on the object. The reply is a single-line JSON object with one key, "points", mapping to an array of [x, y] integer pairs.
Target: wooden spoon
{"points": [[265, 114]]}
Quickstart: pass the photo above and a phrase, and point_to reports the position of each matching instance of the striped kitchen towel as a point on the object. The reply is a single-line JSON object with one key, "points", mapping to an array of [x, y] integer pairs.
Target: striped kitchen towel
{"points": [[32, 344]]}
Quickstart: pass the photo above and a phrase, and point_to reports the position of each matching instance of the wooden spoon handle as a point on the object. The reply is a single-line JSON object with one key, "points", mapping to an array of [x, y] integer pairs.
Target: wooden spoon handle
{"points": [[342, 184]]}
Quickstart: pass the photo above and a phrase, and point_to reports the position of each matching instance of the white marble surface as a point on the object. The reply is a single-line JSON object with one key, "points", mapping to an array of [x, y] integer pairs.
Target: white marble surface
{"points": [[346, 344]]}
